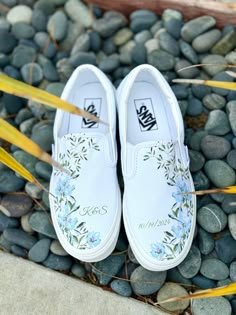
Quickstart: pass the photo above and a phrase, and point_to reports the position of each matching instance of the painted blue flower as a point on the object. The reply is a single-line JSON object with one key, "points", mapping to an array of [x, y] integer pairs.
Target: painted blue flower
{"points": [[181, 188], [182, 226], [158, 250], [65, 220], [64, 187], [178, 229], [93, 239]]}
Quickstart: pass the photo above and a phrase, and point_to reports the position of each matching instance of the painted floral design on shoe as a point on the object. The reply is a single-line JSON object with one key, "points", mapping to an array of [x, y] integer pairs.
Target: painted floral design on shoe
{"points": [[65, 203], [181, 215]]}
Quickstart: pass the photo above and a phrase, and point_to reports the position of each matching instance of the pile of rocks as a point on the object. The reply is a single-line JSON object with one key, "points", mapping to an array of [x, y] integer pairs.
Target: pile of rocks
{"points": [[41, 43]]}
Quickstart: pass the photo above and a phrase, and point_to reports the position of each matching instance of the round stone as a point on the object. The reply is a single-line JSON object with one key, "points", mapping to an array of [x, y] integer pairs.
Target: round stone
{"points": [[7, 41], [9, 182], [188, 52], [121, 287], [197, 160], [197, 26], [44, 170], [186, 73], [110, 64], [211, 218], [78, 270], [23, 30], [42, 134], [40, 250], [23, 55], [19, 251], [214, 305], [203, 282], [139, 54], [141, 23], [217, 123], [162, 60], [20, 13], [152, 45], [25, 223], [57, 249], [32, 73], [12, 103], [231, 110], [196, 138], [205, 241], [214, 59], [231, 158], [229, 203], [107, 268], [168, 291], [7, 222], [78, 11], [214, 269], [180, 91], [195, 107], [232, 271], [122, 36], [231, 58], [142, 37], [222, 76], [95, 41], [33, 190], [57, 25], [26, 159], [49, 72], [39, 20], [140, 276], [200, 180], [214, 101], [47, 7], [220, 173], [225, 44], [14, 205], [76, 60], [19, 237], [169, 44], [58, 262], [215, 147], [232, 224], [200, 90], [108, 26], [40, 222], [174, 275], [191, 264], [226, 248], [206, 41], [131, 256]]}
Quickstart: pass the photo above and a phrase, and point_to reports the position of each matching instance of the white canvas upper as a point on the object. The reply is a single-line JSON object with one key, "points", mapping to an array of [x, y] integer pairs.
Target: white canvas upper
{"points": [[159, 219], [85, 206]]}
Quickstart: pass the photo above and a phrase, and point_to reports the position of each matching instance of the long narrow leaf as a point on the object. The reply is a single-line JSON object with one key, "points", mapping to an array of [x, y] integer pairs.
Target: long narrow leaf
{"points": [[15, 87], [12, 135], [226, 190], [217, 84], [225, 290]]}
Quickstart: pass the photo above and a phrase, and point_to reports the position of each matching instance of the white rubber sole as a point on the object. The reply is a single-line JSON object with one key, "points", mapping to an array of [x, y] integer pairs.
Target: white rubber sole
{"points": [[142, 256]]}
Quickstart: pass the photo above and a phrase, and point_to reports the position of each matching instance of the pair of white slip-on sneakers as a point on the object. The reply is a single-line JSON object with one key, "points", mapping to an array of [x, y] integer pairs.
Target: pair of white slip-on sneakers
{"points": [[159, 218]]}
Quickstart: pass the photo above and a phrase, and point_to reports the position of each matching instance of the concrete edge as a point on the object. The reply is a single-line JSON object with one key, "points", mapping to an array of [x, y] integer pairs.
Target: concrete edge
{"points": [[29, 288]]}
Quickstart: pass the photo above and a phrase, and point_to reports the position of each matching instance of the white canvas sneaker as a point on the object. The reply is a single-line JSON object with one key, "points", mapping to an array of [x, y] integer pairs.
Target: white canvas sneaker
{"points": [[159, 219], [86, 206]]}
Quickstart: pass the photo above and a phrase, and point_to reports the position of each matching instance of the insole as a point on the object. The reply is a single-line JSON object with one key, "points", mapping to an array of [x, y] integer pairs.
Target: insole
{"points": [[147, 114], [92, 98]]}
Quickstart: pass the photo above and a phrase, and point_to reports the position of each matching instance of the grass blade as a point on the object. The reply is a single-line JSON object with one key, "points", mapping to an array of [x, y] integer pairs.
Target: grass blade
{"points": [[9, 161], [18, 88], [225, 290], [218, 84], [12, 135], [226, 190]]}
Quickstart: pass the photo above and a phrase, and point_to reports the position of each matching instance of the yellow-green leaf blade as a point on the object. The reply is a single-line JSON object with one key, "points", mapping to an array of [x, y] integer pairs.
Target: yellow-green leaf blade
{"points": [[18, 88], [9, 161], [218, 84], [225, 290], [12, 135]]}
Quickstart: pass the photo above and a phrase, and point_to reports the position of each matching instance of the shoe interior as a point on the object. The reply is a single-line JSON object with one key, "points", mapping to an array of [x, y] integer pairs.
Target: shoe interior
{"points": [[149, 111], [87, 93]]}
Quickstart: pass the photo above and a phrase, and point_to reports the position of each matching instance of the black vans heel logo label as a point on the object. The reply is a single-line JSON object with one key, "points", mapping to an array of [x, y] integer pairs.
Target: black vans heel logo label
{"points": [[146, 116], [93, 106]]}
